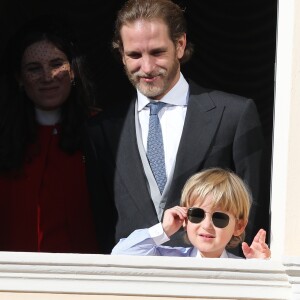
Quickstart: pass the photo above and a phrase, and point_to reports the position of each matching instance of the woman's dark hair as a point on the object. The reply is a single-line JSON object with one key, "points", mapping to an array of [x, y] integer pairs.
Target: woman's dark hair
{"points": [[18, 126]]}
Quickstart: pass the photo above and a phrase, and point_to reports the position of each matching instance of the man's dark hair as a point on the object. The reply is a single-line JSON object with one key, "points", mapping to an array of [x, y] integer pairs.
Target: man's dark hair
{"points": [[167, 11]]}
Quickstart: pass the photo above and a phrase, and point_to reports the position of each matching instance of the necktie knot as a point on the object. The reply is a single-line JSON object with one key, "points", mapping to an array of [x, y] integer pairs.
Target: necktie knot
{"points": [[155, 107]]}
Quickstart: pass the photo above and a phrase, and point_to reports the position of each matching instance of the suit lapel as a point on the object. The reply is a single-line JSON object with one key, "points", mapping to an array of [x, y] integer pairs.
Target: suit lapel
{"points": [[130, 168], [201, 123]]}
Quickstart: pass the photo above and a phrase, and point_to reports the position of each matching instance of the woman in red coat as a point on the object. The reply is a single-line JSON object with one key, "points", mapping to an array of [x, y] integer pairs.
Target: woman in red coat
{"points": [[44, 203]]}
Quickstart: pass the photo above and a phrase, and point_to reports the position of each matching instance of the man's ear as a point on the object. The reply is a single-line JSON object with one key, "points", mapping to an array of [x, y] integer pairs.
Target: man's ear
{"points": [[240, 226], [123, 58], [180, 46]]}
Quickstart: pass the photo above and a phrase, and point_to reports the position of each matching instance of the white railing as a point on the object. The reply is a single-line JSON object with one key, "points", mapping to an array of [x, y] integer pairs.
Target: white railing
{"points": [[149, 276]]}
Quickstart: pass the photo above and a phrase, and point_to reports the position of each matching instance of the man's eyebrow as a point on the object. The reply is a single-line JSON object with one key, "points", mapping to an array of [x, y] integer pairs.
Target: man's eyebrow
{"points": [[131, 52], [159, 49], [154, 50]]}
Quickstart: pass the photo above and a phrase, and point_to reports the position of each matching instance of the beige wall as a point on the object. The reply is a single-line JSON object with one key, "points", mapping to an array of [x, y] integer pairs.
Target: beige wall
{"points": [[293, 179], [285, 205]]}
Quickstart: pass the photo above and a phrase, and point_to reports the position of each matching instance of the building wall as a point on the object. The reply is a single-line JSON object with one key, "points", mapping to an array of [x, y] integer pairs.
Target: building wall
{"points": [[285, 204]]}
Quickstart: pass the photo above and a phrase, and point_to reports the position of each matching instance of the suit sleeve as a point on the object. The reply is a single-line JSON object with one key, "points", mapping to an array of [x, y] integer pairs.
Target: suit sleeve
{"points": [[99, 186], [248, 151]]}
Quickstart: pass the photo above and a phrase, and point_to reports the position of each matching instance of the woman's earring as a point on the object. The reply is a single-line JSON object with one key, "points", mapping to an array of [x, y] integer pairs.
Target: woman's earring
{"points": [[73, 82]]}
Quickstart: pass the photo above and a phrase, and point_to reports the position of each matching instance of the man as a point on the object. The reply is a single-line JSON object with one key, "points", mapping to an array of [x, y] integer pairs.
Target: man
{"points": [[140, 160]]}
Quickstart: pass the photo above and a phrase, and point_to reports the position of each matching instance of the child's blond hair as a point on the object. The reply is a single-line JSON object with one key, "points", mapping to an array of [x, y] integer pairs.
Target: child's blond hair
{"points": [[228, 192]]}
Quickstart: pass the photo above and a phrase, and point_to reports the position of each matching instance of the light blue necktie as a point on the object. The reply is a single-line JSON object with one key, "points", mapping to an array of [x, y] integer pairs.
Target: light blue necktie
{"points": [[155, 146]]}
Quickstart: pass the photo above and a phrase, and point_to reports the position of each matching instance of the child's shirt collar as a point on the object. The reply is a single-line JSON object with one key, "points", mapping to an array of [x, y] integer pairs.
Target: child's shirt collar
{"points": [[223, 255]]}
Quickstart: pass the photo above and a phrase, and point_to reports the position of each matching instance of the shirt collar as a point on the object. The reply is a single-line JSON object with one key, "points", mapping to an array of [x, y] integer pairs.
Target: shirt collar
{"points": [[48, 117], [178, 95], [223, 255]]}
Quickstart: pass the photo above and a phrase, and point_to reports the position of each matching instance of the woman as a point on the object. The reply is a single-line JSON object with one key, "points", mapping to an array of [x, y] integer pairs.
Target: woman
{"points": [[44, 203]]}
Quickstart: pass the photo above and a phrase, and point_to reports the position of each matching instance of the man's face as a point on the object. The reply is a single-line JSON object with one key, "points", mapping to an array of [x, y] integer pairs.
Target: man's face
{"points": [[150, 57]]}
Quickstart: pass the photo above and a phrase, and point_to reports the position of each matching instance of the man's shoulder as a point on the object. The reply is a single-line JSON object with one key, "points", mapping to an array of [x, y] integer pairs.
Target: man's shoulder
{"points": [[217, 96]]}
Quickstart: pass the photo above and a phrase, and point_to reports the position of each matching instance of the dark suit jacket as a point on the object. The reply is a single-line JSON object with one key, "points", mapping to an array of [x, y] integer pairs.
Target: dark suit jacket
{"points": [[220, 130]]}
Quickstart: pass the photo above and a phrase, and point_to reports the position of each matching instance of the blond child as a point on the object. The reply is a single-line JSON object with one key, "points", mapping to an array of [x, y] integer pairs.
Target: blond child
{"points": [[214, 211]]}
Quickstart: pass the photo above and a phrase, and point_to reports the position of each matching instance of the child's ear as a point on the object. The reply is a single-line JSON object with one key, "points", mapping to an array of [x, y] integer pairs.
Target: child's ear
{"points": [[240, 226]]}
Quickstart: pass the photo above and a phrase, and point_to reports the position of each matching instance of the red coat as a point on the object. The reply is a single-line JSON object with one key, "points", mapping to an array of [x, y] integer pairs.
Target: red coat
{"points": [[46, 207]]}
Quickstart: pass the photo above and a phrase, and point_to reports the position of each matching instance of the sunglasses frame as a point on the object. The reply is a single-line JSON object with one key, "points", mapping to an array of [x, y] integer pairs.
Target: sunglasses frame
{"points": [[214, 220]]}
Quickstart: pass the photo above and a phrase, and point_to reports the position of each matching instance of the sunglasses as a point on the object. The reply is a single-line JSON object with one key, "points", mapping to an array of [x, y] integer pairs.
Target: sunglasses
{"points": [[197, 215]]}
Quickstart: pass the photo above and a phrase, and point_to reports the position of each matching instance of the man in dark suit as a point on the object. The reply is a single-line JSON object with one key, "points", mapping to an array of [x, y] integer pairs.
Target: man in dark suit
{"points": [[194, 129]]}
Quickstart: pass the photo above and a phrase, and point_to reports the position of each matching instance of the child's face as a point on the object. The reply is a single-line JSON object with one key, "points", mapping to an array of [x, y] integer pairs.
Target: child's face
{"points": [[209, 239]]}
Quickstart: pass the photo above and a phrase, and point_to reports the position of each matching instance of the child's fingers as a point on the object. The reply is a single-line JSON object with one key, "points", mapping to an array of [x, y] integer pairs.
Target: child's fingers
{"points": [[262, 237], [173, 219], [180, 212], [246, 249], [257, 236], [259, 248]]}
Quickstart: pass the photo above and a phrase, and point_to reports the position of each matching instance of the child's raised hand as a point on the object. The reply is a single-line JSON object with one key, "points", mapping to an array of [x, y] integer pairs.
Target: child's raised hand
{"points": [[258, 248], [173, 219]]}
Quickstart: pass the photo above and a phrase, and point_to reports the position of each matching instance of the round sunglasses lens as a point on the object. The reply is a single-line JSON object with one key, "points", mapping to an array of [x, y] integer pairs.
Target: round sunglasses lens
{"points": [[196, 215], [220, 220]]}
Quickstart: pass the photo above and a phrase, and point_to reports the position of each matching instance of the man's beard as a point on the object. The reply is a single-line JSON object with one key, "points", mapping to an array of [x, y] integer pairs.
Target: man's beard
{"points": [[155, 90]]}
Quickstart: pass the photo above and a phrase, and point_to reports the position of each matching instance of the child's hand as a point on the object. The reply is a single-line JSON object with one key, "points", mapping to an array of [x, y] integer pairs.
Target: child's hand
{"points": [[258, 248], [173, 219]]}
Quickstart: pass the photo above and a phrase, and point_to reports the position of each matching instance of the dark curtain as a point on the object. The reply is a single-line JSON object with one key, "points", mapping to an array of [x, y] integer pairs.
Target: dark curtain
{"points": [[235, 42]]}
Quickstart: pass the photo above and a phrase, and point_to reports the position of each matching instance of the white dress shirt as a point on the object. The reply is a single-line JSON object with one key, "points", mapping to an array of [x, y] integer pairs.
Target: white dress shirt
{"points": [[171, 118]]}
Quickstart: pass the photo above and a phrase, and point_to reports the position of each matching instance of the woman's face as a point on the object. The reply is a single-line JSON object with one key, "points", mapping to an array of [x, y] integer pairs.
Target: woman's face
{"points": [[46, 75]]}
